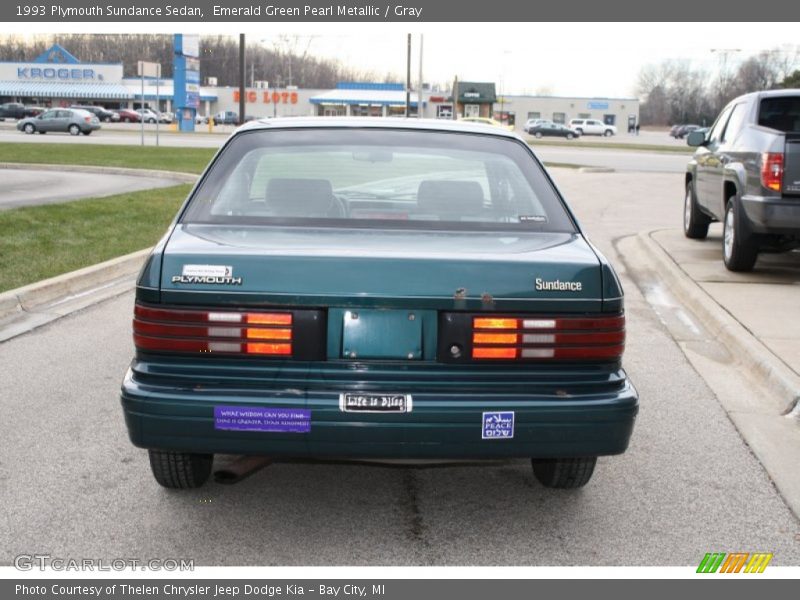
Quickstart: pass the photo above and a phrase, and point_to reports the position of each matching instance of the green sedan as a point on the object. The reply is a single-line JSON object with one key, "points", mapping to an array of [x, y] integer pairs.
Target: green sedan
{"points": [[351, 288]]}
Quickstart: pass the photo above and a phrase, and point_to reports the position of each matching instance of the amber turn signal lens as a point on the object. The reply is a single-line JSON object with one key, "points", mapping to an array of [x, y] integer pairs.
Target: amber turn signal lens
{"points": [[494, 323], [259, 348], [500, 353], [494, 338], [269, 334], [269, 318]]}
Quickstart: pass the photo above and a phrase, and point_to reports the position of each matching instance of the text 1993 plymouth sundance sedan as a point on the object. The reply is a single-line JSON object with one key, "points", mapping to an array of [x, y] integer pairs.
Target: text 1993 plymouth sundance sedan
{"points": [[377, 288]]}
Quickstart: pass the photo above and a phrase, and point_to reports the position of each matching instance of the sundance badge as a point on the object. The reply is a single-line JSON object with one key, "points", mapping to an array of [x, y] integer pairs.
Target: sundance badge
{"points": [[214, 274]]}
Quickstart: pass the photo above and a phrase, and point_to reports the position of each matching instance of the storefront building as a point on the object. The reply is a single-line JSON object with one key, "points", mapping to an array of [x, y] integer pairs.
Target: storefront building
{"points": [[356, 99]]}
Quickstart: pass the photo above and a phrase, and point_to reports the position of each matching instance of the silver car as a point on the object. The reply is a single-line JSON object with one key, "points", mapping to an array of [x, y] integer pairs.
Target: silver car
{"points": [[66, 120]]}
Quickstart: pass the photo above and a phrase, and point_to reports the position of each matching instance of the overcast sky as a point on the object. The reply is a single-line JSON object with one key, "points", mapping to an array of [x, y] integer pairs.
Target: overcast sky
{"points": [[569, 59]]}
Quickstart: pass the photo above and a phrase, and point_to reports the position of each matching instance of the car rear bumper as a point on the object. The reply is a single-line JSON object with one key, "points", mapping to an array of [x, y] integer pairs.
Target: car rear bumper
{"points": [[441, 425], [772, 215]]}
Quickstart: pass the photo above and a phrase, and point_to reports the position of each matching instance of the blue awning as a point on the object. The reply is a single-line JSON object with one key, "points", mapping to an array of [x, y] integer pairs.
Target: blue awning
{"points": [[58, 89]]}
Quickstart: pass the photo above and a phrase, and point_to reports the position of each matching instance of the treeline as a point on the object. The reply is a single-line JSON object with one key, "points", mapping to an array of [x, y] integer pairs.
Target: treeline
{"points": [[282, 60], [673, 91]]}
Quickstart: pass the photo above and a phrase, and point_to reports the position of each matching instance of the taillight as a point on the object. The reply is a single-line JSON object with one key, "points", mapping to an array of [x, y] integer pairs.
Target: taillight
{"points": [[772, 170], [87, 119], [296, 334], [465, 337]]}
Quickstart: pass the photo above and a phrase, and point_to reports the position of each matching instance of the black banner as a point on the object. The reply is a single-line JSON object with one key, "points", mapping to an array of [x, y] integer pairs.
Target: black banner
{"points": [[712, 586], [338, 11]]}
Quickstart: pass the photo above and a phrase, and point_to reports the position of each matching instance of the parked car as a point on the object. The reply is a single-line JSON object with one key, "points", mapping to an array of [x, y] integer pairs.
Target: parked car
{"points": [[592, 127], [673, 131], [127, 115], [66, 120], [200, 119], [553, 130], [103, 114], [291, 318], [226, 117], [685, 130], [148, 115], [32, 111], [166, 117], [487, 121], [12, 110], [746, 174], [531, 123]]}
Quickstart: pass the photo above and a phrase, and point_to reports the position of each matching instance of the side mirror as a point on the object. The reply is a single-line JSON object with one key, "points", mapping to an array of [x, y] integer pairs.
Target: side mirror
{"points": [[697, 138]]}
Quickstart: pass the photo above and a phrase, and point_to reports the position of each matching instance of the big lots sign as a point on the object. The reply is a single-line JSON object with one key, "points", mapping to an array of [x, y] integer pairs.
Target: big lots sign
{"points": [[268, 97]]}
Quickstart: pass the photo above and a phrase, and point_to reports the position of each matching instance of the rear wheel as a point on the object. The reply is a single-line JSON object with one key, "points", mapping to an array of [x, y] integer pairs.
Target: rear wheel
{"points": [[739, 247], [695, 223], [29, 128], [180, 470], [74, 130], [564, 473]]}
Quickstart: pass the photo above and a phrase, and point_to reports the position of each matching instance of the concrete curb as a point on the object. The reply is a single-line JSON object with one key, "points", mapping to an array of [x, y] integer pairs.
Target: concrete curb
{"points": [[750, 353], [172, 175], [36, 295]]}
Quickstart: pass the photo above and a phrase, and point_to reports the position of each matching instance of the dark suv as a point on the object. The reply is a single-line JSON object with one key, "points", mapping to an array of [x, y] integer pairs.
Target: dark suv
{"points": [[103, 114], [746, 173]]}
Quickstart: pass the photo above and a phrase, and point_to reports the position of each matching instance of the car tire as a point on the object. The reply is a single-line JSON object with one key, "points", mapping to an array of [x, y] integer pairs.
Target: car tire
{"points": [[537, 135], [695, 223], [564, 473], [180, 470], [739, 246], [151, 121], [89, 132], [570, 136], [74, 130], [29, 128], [608, 133]]}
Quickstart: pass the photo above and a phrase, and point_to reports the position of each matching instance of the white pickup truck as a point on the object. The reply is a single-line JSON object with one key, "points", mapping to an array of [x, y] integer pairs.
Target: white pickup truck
{"points": [[592, 127]]}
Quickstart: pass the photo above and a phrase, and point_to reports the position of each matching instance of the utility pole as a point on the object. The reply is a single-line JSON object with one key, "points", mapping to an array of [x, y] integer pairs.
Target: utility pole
{"points": [[241, 78], [419, 88], [408, 78]]}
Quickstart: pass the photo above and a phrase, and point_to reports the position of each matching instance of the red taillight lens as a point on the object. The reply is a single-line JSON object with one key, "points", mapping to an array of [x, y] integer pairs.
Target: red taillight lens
{"points": [[772, 170], [221, 332], [536, 338]]}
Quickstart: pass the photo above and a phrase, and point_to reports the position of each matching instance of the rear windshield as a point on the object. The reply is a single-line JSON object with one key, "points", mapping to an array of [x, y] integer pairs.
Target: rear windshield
{"points": [[379, 178], [782, 113]]}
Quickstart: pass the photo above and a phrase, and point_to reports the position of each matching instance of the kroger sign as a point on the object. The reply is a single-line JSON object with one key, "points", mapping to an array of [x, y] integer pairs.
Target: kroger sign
{"points": [[57, 73], [89, 73]]}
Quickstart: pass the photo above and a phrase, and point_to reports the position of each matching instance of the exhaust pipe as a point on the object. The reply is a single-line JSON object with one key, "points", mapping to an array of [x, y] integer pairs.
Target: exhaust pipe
{"points": [[240, 468]]}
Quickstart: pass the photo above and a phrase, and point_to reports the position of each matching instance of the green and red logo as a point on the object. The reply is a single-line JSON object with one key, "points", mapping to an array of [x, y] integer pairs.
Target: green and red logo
{"points": [[734, 562]]}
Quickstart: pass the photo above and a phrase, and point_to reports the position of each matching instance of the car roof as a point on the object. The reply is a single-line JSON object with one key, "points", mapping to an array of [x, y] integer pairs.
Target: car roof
{"points": [[407, 124]]}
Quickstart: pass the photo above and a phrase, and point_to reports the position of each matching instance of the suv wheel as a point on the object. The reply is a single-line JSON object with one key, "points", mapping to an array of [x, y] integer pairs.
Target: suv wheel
{"points": [[695, 223], [74, 130], [564, 473], [739, 247], [608, 133], [180, 470]]}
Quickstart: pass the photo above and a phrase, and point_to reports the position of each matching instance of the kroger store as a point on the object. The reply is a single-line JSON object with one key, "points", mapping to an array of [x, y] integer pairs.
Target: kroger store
{"points": [[57, 78]]}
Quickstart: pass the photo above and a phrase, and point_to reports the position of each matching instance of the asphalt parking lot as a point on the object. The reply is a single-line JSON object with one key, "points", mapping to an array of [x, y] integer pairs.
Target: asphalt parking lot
{"points": [[73, 485]]}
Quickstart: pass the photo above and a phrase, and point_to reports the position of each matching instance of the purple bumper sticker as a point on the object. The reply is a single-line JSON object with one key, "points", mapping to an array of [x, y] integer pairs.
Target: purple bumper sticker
{"points": [[256, 418]]}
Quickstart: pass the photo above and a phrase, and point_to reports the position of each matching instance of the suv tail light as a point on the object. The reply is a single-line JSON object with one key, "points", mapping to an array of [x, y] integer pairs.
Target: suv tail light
{"points": [[465, 337], [298, 334], [772, 170]]}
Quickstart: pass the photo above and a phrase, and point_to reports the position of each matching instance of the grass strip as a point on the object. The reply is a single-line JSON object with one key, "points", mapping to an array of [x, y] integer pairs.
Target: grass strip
{"points": [[185, 160], [37, 242]]}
